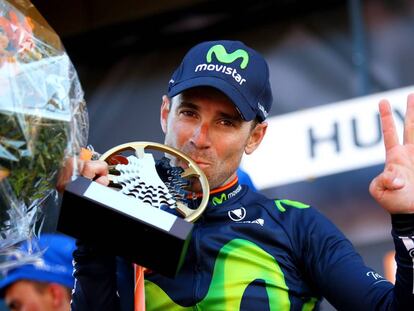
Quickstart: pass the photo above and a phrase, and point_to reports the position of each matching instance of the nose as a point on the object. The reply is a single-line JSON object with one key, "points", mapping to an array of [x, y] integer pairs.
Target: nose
{"points": [[201, 136]]}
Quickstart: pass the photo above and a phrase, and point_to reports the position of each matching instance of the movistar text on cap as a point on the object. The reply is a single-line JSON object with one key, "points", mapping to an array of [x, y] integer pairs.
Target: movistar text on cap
{"points": [[222, 68]]}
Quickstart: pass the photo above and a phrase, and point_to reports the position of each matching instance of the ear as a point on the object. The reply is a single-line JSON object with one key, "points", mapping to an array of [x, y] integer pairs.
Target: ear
{"points": [[165, 110], [256, 137], [58, 295]]}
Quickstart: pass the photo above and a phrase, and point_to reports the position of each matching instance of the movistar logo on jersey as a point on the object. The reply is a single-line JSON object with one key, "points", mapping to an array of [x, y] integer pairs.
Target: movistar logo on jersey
{"points": [[238, 264], [224, 57], [219, 199]]}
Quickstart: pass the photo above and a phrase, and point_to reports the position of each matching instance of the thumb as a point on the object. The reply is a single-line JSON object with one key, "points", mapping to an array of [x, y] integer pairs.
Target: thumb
{"points": [[387, 180], [391, 179]]}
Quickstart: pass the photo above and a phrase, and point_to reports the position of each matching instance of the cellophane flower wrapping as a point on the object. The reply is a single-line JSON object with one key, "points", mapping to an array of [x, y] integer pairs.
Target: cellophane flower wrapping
{"points": [[43, 121]]}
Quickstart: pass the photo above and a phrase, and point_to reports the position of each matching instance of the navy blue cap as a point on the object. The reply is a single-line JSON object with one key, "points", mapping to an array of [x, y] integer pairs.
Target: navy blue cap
{"points": [[232, 67], [54, 265]]}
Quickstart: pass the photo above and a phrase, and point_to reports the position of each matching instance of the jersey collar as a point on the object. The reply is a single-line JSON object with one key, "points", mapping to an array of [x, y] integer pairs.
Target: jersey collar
{"points": [[222, 194]]}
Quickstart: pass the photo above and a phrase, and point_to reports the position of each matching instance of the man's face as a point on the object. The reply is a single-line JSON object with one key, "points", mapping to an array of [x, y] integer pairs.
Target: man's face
{"points": [[23, 296], [204, 124]]}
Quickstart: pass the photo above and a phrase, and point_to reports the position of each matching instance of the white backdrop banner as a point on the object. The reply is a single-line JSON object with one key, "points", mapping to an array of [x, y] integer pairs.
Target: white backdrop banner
{"points": [[324, 140]]}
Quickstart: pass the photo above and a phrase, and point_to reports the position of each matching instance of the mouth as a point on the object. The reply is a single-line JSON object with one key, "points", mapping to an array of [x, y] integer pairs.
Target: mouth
{"points": [[202, 160], [202, 164]]}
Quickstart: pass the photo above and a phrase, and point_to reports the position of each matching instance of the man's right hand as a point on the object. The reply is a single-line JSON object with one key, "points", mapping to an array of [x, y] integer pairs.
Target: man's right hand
{"points": [[96, 170], [92, 169]]}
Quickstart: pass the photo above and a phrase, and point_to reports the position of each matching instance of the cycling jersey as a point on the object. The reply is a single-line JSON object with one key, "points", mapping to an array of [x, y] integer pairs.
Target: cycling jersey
{"points": [[249, 252]]}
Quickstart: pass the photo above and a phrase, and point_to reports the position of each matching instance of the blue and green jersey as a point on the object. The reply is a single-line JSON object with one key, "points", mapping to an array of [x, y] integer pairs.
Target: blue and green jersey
{"points": [[249, 252]]}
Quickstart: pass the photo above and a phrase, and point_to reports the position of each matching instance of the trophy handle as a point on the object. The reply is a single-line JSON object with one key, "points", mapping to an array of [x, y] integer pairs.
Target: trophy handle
{"points": [[192, 171]]}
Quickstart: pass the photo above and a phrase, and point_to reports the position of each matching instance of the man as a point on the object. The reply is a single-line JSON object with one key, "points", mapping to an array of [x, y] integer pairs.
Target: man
{"points": [[250, 252], [44, 284]]}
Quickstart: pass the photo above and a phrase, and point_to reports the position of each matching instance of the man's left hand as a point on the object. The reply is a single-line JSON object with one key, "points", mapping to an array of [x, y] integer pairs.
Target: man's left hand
{"points": [[393, 189]]}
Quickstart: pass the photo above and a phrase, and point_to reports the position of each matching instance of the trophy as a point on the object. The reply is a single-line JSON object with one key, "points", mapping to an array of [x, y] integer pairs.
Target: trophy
{"points": [[145, 214]]}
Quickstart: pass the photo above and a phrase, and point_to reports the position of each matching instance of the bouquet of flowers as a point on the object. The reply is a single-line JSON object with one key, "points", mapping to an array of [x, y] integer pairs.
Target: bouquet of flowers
{"points": [[43, 117]]}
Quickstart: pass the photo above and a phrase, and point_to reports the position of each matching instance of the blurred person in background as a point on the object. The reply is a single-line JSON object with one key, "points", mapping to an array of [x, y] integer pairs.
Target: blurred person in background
{"points": [[45, 284]]}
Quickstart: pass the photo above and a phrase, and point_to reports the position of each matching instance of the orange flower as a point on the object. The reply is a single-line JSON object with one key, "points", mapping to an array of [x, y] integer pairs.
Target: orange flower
{"points": [[19, 33]]}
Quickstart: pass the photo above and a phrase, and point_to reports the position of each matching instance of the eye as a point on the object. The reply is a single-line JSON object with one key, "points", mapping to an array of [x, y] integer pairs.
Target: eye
{"points": [[15, 306], [188, 113], [227, 123]]}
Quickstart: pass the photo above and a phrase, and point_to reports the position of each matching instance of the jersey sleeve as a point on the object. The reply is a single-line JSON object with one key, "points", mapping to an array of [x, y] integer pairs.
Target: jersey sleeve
{"points": [[403, 235], [338, 272]]}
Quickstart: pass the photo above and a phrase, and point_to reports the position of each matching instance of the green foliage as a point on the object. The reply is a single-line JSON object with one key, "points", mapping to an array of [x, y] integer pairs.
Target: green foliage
{"points": [[31, 149]]}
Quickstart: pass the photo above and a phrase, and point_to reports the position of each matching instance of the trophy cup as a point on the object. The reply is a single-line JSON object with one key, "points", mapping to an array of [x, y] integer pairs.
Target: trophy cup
{"points": [[145, 214]]}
